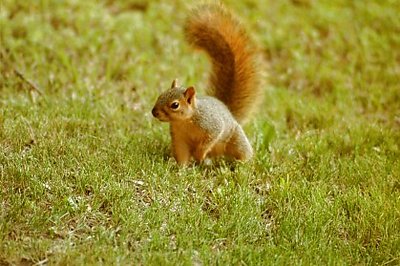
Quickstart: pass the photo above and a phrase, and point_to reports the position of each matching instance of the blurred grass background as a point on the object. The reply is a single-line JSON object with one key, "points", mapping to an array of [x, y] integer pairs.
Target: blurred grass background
{"points": [[86, 176]]}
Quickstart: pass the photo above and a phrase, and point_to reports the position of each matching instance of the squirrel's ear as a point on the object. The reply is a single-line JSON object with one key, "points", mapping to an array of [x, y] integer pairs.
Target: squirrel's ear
{"points": [[189, 94], [174, 83]]}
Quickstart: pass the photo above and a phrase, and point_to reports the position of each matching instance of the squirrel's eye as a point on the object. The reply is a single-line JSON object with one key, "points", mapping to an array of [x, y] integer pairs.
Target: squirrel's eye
{"points": [[175, 105]]}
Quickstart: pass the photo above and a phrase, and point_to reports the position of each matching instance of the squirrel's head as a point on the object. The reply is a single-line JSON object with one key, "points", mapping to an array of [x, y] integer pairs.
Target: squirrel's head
{"points": [[175, 104]]}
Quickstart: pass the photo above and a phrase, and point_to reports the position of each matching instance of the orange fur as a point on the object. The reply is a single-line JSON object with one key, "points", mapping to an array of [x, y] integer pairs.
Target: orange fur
{"points": [[235, 75]]}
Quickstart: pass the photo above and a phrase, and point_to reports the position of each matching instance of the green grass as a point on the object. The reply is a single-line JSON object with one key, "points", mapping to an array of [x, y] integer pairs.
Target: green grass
{"points": [[86, 176]]}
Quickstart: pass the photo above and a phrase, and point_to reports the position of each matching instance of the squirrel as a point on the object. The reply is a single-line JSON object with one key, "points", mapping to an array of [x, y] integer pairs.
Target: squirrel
{"points": [[210, 126]]}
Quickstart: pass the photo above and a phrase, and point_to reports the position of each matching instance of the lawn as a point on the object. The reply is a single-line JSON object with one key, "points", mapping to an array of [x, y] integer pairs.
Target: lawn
{"points": [[86, 176]]}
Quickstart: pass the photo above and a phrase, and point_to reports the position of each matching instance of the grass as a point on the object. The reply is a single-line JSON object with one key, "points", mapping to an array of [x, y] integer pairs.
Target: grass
{"points": [[86, 176]]}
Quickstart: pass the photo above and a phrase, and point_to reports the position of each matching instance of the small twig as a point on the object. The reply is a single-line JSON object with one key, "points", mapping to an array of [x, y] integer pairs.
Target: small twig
{"points": [[42, 262], [390, 261], [32, 86], [27, 81]]}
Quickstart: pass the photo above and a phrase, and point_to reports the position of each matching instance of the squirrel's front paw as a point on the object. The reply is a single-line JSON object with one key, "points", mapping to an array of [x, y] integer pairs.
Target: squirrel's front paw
{"points": [[199, 155]]}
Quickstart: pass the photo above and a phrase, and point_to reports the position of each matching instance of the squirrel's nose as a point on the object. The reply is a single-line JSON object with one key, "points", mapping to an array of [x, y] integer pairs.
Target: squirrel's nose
{"points": [[154, 112]]}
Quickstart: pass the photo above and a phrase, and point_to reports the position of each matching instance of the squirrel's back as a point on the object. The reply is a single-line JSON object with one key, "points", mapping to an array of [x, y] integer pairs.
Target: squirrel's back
{"points": [[235, 73]]}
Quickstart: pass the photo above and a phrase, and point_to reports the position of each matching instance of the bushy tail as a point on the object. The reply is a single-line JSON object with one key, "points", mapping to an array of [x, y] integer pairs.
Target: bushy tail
{"points": [[235, 75]]}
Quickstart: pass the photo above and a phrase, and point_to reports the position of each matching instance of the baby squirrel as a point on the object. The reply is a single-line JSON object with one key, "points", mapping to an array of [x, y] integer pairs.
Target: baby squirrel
{"points": [[209, 126]]}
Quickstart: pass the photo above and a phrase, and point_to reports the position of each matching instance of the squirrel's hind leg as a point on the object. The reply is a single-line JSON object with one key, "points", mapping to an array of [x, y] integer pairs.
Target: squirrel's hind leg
{"points": [[239, 146]]}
